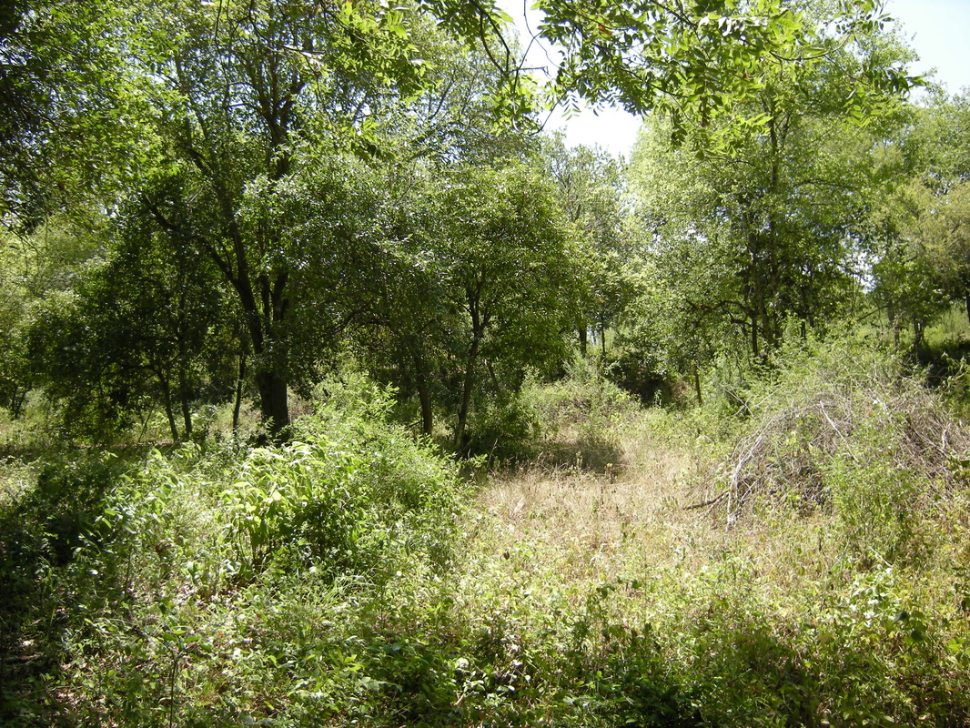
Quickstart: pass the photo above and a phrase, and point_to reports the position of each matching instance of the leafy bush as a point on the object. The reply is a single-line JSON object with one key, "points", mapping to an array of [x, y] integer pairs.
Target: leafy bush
{"points": [[350, 492], [302, 585], [48, 513], [184, 568], [569, 420], [505, 429]]}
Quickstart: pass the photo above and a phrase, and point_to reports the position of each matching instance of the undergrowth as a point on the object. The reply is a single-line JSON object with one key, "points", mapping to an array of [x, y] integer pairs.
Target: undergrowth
{"points": [[352, 577], [841, 427]]}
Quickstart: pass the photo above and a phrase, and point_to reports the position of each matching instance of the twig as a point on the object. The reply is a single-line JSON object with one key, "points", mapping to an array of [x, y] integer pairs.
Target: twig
{"points": [[825, 414], [713, 501]]}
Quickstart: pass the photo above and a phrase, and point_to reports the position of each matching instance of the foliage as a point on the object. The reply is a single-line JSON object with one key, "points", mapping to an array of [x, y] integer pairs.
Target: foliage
{"points": [[48, 511], [350, 494], [590, 187], [368, 592], [582, 416], [138, 327], [698, 60], [928, 215], [574, 420], [742, 239], [62, 129], [272, 183]]}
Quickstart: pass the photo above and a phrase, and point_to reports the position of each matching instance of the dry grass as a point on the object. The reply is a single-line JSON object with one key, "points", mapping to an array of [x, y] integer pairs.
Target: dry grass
{"points": [[558, 501], [566, 530], [768, 616]]}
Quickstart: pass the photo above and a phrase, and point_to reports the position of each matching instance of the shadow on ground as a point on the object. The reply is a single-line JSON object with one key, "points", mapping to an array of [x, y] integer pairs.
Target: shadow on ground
{"points": [[40, 531]]}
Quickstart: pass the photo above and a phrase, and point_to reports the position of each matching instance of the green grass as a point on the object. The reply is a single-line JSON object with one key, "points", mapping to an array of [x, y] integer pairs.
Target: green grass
{"points": [[354, 579]]}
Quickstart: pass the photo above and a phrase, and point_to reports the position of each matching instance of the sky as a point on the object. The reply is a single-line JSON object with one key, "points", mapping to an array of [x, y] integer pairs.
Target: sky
{"points": [[936, 29]]}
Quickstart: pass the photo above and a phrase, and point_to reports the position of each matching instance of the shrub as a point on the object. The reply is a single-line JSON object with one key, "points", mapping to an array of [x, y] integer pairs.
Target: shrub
{"points": [[505, 429], [581, 416], [350, 492]]}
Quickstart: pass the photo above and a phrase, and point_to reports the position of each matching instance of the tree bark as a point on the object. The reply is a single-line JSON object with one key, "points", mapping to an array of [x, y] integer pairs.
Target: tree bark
{"points": [[424, 395], [170, 413], [917, 336], [754, 338], [185, 394], [237, 406], [274, 403], [466, 393]]}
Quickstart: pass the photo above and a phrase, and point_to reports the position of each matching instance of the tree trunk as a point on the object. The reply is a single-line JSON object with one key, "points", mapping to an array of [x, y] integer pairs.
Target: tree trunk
{"points": [[274, 403], [169, 412], [583, 336], [261, 320], [424, 395], [184, 399], [17, 400], [237, 406], [186, 416], [466, 393], [917, 336], [697, 386]]}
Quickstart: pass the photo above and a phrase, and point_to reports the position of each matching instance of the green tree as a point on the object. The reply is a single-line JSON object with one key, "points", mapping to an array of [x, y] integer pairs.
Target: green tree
{"points": [[476, 282], [591, 193], [63, 127], [255, 100], [929, 212], [495, 242], [35, 266], [696, 60], [236, 123], [773, 226], [132, 331]]}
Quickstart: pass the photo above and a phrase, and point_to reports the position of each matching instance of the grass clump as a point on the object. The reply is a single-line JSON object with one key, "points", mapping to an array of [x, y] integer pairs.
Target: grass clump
{"points": [[573, 421]]}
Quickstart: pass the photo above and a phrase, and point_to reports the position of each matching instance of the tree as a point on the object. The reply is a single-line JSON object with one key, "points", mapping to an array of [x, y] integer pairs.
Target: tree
{"points": [[928, 213], [38, 266], [501, 252], [255, 101], [778, 219], [697, 60], [590, 190], [133, 330], [239, 125], [477, 282], [63, 128]]}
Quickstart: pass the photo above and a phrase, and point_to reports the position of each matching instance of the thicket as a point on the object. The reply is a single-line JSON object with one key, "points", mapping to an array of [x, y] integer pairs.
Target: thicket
{"points": [[127, 575], [845, 426]]}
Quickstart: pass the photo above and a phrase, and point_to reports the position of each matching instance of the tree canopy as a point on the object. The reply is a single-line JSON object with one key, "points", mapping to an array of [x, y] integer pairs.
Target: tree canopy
{"points": [[274, 186]]}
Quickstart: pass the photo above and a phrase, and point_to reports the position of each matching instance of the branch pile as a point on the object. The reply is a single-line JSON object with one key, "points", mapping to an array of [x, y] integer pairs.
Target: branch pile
{"points": [[838, 404]]}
